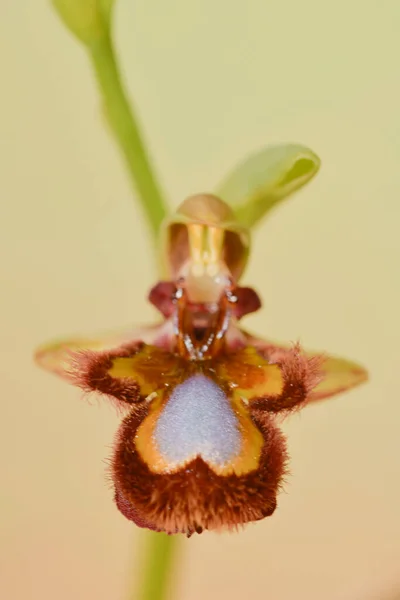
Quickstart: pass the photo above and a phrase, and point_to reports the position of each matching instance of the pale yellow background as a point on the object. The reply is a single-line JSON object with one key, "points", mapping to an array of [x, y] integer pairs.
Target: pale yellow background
{"points": [[213, 80]]}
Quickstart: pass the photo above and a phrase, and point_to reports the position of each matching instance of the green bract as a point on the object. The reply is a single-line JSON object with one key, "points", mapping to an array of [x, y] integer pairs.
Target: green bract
{"points": [[266, 178], [87, 19]]}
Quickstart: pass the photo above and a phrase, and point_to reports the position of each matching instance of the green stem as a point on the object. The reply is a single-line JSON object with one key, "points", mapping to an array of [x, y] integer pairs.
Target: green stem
{"points": [[160, 549], [123, 123]]}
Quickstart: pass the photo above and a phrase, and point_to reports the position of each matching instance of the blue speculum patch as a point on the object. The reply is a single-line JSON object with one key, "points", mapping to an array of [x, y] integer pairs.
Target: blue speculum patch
{"points": [[198, 420]]}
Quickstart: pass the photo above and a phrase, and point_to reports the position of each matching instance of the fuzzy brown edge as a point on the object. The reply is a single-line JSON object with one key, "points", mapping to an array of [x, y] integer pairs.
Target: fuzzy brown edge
{"points": [[195, 498]]}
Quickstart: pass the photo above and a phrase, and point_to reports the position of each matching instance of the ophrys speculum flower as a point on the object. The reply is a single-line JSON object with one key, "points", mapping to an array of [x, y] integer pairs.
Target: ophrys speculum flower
{"points": [[199, 447]]}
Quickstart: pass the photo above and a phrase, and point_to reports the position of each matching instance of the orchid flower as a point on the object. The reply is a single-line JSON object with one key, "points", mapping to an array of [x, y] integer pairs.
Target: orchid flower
{"points": [[199, 445]]}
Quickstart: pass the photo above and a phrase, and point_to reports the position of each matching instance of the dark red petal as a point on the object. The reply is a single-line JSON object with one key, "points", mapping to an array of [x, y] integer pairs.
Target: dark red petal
{"points": [[248, 301], [161, 296], [195, 497]]}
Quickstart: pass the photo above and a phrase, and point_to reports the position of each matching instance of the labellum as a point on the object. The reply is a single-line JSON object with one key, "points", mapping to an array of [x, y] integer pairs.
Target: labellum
{"points": [[199, 446]]}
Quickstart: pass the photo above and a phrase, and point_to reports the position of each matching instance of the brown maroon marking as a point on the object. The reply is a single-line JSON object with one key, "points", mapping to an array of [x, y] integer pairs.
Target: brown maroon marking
{"points": [[90, 372], [196, 498], [163, 293], [300, 375], [130, 512]]}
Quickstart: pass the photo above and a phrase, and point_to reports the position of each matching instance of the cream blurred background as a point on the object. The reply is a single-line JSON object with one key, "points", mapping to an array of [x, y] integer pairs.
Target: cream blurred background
{"points": [[212, 81]]}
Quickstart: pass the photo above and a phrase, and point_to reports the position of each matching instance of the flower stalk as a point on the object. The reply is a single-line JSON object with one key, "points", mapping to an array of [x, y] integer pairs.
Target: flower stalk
{"points": [[121, 119], [158, 560]]}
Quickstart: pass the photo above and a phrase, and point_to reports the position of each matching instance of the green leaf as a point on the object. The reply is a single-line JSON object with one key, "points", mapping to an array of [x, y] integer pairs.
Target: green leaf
{"points": [[266, 178], [86, 19]]}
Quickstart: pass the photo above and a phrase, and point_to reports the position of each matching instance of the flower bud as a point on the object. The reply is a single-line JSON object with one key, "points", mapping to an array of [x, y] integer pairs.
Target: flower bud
{"points": [[86, 19]]}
